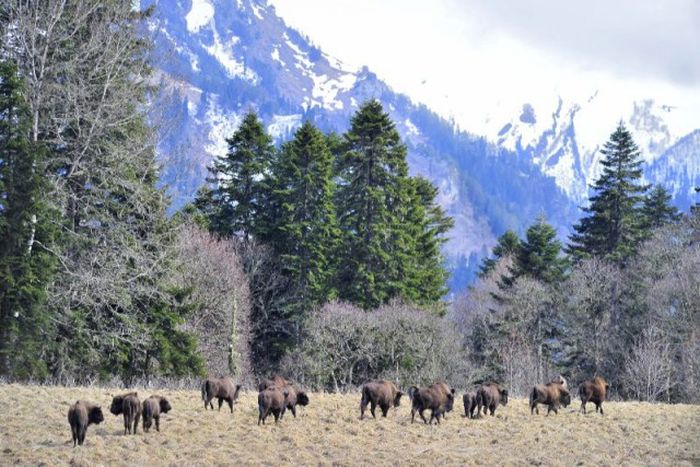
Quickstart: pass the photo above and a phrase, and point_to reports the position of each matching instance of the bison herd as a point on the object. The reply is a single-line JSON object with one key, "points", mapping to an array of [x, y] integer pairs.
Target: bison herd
{"points": [[277, 395]]}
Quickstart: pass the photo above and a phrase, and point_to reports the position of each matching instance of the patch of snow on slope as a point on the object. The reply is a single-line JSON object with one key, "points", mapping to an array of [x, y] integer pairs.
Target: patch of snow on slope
{"points": [[223, 52], [221, 124], [199, 15], [283, 125], [275, 54], [303, 62], [326, 90], [256, 10]]}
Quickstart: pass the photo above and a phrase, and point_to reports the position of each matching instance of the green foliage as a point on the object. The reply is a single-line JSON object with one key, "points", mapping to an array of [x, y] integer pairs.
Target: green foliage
{"points": [[391, 225], [305, 232], [540, 255], [507, 245], [28, 228], [238, 193], [658, 210], [613, 227]]}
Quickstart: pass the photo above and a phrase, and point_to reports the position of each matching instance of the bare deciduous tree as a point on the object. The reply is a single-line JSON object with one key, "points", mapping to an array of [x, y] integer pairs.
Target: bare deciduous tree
{"points": [[648, 373]]}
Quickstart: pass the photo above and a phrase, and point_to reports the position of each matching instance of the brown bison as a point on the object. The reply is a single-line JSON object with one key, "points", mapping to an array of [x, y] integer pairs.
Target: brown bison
{"points": [[130, 406], [595, 391], [379, 393], [295, 397], [152, 408], [222, 389], [489, 396], [272, 400], [80, 416], [434, 398], [445, 389], [277, 380], [469, 400], [554, 395]]}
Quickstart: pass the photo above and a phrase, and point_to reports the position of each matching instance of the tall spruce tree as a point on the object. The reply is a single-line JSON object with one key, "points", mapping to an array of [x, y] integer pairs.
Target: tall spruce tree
{"points": [[390, 222], [28, 227], [613, 227], [658, 210], [305, 232], [238, 181]]}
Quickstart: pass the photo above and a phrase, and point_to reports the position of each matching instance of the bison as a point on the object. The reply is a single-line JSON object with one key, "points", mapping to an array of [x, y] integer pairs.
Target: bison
{"points": [[489, 396], [152, 408], [469, 400], [445, 389], [272, 399], [434, 398], [595, 391], [130, 406], [554, 395], [379, 393], [295, 397], [222, 389], [80, 416]]}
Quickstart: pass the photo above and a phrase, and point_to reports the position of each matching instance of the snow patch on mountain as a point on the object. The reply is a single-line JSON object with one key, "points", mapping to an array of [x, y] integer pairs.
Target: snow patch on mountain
{"points": [[200, 15], [221, 126], [223, 52], [283, 125]]}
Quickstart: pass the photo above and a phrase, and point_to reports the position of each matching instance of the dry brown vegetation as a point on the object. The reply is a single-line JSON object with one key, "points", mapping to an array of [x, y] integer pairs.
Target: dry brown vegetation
{"points": [[34, 430]]}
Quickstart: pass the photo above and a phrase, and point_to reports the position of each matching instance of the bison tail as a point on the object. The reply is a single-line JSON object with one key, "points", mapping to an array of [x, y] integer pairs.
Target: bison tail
{"points": [[412, 392], [533, 397], [205, 391]]}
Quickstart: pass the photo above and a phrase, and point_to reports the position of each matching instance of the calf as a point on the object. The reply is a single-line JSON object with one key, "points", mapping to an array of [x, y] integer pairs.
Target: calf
{"points": [[152, 408]]}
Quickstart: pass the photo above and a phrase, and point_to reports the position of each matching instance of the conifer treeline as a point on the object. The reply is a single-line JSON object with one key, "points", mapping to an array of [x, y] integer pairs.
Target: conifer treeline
{"points": [[342, 215]]}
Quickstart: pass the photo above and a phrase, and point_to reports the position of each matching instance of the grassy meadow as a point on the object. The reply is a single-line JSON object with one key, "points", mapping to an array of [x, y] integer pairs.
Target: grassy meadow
{"points": [[34, 430]]}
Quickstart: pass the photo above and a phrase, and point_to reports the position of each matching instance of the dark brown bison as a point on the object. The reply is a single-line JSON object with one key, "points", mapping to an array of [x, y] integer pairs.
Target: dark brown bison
{"points": [[295, 397], [80, 416], [433, 398], [595, 391], [469, 400], [272, 400], [489, 396], [130, 406], [379, 393], [554, 395], [222, 389], [152, 408]]}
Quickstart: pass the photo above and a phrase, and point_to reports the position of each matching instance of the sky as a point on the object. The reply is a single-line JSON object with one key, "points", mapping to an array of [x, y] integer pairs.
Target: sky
{"points": [[471, 60]]}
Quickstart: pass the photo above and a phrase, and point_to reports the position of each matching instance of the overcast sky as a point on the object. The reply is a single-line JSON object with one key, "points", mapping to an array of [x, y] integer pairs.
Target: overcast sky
{"points": [[463, 57]]}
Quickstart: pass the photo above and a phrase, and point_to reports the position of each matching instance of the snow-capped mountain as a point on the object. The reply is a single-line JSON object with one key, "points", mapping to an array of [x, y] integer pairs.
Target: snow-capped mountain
{"points": [[563, 137], [216, 59]]}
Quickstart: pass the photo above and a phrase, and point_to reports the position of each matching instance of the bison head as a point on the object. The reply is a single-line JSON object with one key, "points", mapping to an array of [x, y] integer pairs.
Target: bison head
{"points": [[117, 406], [95, 415], [449, 405], [397, 398], [165, 406], [565, 398], [504, 397], [302, 398]]}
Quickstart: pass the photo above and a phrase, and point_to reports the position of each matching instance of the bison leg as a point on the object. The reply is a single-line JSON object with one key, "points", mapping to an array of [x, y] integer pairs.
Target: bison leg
{"points": [[363, 407], [157, 423], [385, 409], [136, 422], [74, 434], [294, 410], [420, 412], [230, 403], [372, 406], [599, 406], [583, 407], [492, 408], [221, 402], [81, 435]]}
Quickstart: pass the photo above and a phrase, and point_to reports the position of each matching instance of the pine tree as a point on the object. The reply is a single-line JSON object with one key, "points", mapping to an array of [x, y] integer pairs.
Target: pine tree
{"points": [[390, 223], [613, 227], [507, 244], [27, 231], [238, 179], [658, 210], [539, 256], [305, 233]]}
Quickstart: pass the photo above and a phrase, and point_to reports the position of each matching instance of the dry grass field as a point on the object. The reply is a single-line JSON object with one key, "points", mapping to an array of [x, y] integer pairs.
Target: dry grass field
{"points": [[34, 430]]}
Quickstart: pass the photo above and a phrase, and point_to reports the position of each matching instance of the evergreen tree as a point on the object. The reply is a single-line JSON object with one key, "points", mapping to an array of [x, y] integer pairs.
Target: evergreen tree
{"points": [[27, 231], [658, 210], [507, 244], [238, 179], [390, 223], [305, 233], [539, 256], [613, 227]]}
